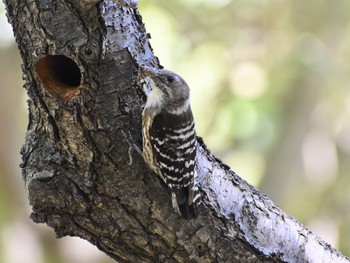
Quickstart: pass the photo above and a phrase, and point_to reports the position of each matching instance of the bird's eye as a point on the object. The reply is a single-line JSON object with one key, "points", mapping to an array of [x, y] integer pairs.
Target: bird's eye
{"points": [[171, 79]]}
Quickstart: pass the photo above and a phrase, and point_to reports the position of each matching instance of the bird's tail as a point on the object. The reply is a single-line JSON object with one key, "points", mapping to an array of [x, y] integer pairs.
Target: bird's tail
{"points": [[184, 208]]}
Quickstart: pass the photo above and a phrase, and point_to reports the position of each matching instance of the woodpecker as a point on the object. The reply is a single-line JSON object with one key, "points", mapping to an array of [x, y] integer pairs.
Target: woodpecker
{"points": [[169, 138]]}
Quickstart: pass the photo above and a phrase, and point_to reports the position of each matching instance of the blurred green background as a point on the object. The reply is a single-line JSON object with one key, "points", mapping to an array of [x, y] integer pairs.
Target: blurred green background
{"points": [[270, 95]]}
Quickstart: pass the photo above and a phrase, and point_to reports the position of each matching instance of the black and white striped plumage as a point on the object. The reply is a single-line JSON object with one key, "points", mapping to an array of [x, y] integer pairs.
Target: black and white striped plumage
{"points": [[169, 138]]}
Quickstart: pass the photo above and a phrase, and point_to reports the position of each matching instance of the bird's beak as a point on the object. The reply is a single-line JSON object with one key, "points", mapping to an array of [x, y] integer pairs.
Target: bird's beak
{"points": [[148, 72]]}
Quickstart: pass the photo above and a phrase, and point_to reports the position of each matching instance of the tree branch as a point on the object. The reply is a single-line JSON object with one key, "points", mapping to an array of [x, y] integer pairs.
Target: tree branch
{"points": [[80, 65]]}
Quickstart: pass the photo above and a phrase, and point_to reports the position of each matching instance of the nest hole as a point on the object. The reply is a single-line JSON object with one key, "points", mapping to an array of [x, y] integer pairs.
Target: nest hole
{"points": [[60, 76]]}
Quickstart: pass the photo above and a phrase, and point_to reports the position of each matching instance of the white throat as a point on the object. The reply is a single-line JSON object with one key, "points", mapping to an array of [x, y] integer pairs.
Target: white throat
{"points": [[155, 98]]}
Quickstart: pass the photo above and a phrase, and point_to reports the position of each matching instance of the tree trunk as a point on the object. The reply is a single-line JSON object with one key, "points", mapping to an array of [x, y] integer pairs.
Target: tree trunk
{"points": [[80, 65]]}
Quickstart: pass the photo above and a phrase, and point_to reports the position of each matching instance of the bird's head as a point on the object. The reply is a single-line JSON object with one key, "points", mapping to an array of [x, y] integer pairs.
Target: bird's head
{"points": [[169, 90]]}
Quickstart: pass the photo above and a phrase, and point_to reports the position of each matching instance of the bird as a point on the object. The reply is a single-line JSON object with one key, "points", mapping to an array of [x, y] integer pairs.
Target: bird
{"points": [[169, 138]]}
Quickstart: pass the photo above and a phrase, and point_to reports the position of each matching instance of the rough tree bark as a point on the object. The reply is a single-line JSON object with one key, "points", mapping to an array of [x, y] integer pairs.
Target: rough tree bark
{"points": [[80, 65]]}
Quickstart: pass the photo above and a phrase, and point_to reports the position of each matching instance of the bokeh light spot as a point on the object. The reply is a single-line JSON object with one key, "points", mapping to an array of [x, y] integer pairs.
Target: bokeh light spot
{"points": [[248, 80], [319, 158]]}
